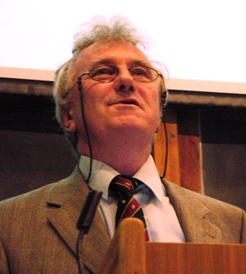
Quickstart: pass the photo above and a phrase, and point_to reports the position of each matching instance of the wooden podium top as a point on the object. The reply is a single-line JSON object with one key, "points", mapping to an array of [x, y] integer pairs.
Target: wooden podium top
{"points": [[129, 253]]}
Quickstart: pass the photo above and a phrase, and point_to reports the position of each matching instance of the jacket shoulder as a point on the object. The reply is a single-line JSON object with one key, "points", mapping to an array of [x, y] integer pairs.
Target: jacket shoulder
{"points": [[228, 218], [206, 200], [40, 195]]}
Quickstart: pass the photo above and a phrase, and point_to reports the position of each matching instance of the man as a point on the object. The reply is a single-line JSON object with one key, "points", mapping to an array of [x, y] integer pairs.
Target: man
{"points": [[108, 98]]}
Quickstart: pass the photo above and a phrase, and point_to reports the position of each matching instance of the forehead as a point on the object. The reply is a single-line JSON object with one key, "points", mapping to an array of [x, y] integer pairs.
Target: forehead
{"points": [[116, 52]]}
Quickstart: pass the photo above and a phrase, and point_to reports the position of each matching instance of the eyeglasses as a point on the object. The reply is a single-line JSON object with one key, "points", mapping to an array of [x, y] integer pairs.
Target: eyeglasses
{"points": [[107, 73]]}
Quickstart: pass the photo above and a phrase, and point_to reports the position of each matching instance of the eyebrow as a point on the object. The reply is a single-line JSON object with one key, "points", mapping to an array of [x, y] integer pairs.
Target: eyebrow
{"points": [[111, 62], [142, 63]]}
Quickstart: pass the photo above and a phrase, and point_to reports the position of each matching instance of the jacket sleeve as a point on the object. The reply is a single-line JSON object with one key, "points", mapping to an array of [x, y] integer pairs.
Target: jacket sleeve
{"points": [[3, 261]]}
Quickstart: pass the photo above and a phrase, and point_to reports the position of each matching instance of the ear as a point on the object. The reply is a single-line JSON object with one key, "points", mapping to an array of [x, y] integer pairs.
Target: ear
{"points": [[68, 120], [157, 130]]}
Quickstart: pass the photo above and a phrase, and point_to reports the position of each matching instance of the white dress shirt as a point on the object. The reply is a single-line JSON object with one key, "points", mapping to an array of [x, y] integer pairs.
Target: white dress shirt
{"points": [[161, 219]]}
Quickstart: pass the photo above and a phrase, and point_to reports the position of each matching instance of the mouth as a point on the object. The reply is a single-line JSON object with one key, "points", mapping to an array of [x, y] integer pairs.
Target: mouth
{"points": [[128, 101]]}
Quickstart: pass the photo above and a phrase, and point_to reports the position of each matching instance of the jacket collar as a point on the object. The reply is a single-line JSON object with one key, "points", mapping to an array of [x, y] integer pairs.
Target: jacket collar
{"points": [[65, 203], [193, 215]]}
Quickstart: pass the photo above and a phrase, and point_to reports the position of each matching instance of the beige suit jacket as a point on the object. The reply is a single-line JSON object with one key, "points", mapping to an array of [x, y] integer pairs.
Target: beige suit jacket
{"points": [[38, 230]]}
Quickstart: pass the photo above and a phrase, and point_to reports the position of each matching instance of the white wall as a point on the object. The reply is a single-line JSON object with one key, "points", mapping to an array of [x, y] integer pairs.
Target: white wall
{"points": [[202, 41]]}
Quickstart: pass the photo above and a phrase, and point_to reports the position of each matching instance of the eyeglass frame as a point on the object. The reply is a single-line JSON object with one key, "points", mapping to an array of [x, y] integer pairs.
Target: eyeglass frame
{"points": [[158, 74]]}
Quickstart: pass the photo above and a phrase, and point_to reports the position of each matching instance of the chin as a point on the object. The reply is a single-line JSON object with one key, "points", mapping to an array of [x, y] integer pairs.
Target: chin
{"points": [[134, 122]]}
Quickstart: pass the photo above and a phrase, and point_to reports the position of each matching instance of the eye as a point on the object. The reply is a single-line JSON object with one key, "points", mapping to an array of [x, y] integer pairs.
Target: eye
{"points": [[103, 73], [141, 73], [102, 70]]}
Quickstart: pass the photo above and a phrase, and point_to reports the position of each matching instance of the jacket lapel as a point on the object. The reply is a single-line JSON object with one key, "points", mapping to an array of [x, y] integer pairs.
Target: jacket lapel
{"points": [[95, 244], [65, 203], [193, 215]]}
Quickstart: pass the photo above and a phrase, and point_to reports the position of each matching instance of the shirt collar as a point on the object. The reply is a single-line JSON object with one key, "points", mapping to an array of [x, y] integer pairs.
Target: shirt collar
{"points": [[102, 174], [149, 175]]}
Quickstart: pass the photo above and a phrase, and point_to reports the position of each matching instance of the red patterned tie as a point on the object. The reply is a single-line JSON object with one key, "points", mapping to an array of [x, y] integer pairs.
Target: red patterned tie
{"points": [[128, 206]]}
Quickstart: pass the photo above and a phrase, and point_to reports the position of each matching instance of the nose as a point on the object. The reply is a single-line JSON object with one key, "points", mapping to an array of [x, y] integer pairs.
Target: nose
{"points": [[124, 81]]}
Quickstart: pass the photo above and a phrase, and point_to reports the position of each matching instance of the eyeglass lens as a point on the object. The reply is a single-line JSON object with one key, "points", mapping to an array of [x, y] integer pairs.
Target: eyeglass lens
{"points": [[107, 73]]}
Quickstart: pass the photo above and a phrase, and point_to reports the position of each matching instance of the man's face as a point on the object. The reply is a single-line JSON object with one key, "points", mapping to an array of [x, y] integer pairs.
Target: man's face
{"points": [[122, 106]]}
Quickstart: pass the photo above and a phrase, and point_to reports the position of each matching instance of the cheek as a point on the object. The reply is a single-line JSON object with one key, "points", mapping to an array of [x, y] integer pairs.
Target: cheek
{"points": [[93, 93], [151, 94], [154, 103], [92, 102], [156, 111]]}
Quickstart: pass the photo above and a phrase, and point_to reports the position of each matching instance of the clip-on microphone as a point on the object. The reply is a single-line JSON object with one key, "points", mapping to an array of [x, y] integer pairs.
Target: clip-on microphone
{"points": [[84, 222]]}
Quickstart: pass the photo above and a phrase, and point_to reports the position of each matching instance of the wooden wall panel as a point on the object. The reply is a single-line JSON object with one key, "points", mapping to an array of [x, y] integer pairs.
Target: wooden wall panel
{"points": [[183, 158], [168, 151]]}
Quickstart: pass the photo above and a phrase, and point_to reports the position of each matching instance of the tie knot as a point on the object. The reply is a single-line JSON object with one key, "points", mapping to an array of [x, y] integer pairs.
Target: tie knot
{"points": [[124, 183]]}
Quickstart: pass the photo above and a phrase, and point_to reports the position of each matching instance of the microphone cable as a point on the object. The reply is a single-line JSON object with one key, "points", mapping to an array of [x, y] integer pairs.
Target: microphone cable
{"points": [[164, 96], [166, 151], [86, 128]]}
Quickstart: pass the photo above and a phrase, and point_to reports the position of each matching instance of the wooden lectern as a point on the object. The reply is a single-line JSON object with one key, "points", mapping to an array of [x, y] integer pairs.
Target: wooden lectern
{"points": [[130, 254]]}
